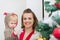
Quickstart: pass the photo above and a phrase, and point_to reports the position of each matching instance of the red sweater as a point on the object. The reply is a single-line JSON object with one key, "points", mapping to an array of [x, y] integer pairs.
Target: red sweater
{"points": [[28, 37]]}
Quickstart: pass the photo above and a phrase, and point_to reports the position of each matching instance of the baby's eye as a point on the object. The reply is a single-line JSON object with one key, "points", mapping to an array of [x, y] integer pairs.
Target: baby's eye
{"points": [[11, 23], [14, 23]]}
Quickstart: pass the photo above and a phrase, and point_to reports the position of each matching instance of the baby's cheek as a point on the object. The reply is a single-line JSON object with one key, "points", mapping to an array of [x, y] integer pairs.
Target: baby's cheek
{"points": [[15, 25], [10, 26]]}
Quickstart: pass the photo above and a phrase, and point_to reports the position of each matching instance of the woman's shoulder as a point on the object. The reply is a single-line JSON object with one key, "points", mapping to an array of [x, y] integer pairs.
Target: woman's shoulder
{"points": [[37, 33]]}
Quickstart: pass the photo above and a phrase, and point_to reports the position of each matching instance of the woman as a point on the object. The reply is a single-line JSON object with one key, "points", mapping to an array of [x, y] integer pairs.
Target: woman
{"points": [[29, 22]]}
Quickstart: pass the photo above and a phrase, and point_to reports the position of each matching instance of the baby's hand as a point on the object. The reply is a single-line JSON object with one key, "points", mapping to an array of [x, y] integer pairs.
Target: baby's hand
{"points": [[14, 34]]}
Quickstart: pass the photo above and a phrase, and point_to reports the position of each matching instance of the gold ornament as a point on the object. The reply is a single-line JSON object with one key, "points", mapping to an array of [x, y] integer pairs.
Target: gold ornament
{"points": [[41, 38]]}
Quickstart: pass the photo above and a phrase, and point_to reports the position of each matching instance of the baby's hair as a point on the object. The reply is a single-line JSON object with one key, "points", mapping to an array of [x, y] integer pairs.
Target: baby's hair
{"points": [[9, 17], [14, 16]]}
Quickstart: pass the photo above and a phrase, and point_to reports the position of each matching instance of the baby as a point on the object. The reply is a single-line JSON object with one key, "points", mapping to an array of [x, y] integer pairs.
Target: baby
{"points": [[11, 21]]}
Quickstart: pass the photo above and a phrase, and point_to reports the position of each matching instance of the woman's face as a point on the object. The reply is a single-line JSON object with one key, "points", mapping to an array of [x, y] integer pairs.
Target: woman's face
{"points": [[28, 20]]}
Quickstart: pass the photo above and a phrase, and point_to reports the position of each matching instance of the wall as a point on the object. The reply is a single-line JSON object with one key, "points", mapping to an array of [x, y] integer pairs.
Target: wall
{"points": [[36, 6], [46, 13]]}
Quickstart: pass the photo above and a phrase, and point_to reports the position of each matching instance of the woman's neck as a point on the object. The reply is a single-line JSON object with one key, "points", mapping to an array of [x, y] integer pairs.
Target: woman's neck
{"points": [[28, 30]]}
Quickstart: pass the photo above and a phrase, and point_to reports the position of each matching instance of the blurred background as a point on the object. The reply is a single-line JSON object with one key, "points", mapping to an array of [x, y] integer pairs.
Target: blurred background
{"points": [[17, 6]]}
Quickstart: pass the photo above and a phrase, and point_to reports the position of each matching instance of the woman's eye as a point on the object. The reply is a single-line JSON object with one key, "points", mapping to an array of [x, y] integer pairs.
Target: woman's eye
{"points": [[24, 18], [29, 18]]}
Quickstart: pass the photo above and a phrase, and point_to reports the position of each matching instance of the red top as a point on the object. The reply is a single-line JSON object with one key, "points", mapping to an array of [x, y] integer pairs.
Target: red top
{"points": [[28, 37]]}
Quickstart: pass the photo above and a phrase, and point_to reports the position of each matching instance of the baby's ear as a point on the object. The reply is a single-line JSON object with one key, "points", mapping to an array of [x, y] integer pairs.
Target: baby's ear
{"points": [[17, 23]]}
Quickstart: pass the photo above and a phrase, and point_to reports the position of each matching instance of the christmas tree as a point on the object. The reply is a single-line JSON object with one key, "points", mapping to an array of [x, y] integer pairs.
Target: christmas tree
{"points": [[46, 27]]}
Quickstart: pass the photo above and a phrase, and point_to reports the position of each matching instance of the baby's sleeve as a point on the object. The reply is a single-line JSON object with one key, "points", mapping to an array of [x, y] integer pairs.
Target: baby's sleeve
{"points": [[6, 35]]}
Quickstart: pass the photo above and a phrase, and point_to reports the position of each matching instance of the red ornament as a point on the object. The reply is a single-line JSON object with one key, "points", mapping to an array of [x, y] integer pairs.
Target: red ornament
{"points": [[56, 32], [57, 5]]}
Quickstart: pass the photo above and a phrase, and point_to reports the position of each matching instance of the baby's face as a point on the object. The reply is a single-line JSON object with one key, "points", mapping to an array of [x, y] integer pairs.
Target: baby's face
{"points": [[12, 23]]}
